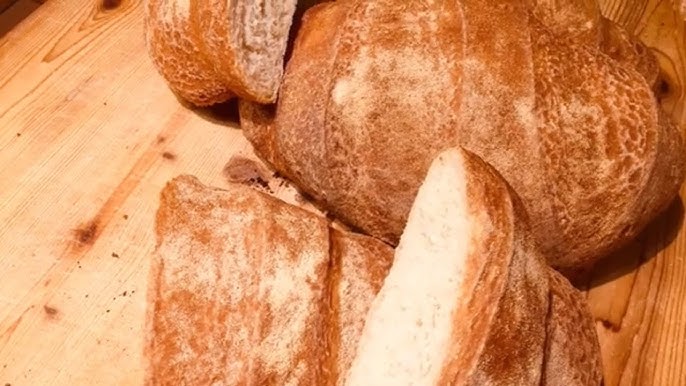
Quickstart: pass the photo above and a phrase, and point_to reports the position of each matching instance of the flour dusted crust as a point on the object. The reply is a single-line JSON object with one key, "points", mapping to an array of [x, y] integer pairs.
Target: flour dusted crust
{"points": [[211, 50], [238, 297], [245, 289], [572, 350], [571, 123], [175, 49]]}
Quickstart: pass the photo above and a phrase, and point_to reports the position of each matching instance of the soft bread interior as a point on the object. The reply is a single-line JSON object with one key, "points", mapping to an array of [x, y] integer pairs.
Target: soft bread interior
{"points": [[261, 32], [407, 334]]}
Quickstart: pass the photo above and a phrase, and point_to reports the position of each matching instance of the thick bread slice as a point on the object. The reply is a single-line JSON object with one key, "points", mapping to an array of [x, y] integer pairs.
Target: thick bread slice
{"points": [[318, 36], [173, 43], [348, 82], [377, 89], [238, 289], [572, 350], [209, 50], [248, 290], [466, 299]]}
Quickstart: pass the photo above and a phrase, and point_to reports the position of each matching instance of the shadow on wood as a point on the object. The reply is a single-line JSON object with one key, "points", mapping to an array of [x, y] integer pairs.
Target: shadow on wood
{"points": [[225, 114], [12, 12], [657, 236]]}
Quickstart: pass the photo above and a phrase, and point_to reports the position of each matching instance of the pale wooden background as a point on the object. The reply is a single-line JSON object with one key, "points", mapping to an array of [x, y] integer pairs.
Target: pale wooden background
{"points": [[89, 134]]}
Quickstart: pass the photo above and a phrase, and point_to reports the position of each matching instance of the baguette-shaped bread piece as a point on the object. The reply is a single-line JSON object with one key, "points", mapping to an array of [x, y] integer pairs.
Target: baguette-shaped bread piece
{"points": [[374, 90], [208, 51], [572, 356], [466, 299], [248, 290]]}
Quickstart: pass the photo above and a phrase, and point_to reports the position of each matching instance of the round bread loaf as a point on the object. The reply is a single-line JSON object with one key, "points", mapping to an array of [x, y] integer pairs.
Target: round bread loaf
{"points": [[374, 90]]}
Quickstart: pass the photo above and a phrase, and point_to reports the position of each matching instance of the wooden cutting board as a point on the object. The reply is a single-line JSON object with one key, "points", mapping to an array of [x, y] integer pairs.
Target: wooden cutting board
{"points": [[89, 134]]}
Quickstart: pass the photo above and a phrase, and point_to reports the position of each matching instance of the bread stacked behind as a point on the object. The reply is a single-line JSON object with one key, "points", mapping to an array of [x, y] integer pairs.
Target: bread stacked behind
{"points": [[561, 106], [209, 51]]}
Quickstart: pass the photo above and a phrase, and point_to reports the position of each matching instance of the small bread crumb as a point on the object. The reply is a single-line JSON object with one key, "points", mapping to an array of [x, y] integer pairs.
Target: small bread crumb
{"points": [[246, 171]]}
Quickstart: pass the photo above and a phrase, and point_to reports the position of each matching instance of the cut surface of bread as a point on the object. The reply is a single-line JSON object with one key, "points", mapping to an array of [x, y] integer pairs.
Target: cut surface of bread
{"points": [[557, 99], [359, 265], [245, 289], [408, 335], [466, 298], [209, 51]]}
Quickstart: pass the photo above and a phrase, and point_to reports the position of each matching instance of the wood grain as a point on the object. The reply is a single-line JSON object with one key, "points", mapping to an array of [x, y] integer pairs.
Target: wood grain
{"points": [[89, 134], [639, 295]]}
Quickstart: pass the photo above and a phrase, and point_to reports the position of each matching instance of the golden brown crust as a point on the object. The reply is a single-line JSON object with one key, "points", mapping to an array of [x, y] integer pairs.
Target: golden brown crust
{"points": [[328, 65], [618, 44], [174, 46], [192, 45], [576, 20], [239, 297], [576, 133], [318, 36], [603, 144], [245, 289], [512, 288], [572, 348]]}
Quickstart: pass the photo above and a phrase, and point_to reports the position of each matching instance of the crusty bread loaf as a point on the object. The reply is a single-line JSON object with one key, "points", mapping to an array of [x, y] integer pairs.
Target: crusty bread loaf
{"points": [[208, 51], [572, 355], [245, 289], [466, 299], [374, 90]]}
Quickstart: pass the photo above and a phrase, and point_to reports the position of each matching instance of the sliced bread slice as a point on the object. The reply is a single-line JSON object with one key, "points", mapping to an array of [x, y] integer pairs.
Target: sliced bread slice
{"points": [[237, 289], [248, 290], [466, 299], [208, 51]]}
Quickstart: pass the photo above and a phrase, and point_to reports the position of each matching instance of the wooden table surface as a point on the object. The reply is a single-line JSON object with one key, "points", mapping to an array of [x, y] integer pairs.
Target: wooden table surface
{"points": [[89, 134]]}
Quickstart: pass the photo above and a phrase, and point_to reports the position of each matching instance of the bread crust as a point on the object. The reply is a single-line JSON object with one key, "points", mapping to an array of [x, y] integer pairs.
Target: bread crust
{"points": [[245, 289], [511, 288], [611, 162], [591, 155], [359, 265], [223, 309], [175, 48], [318, 36], [572, 349], [192, 46]]}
